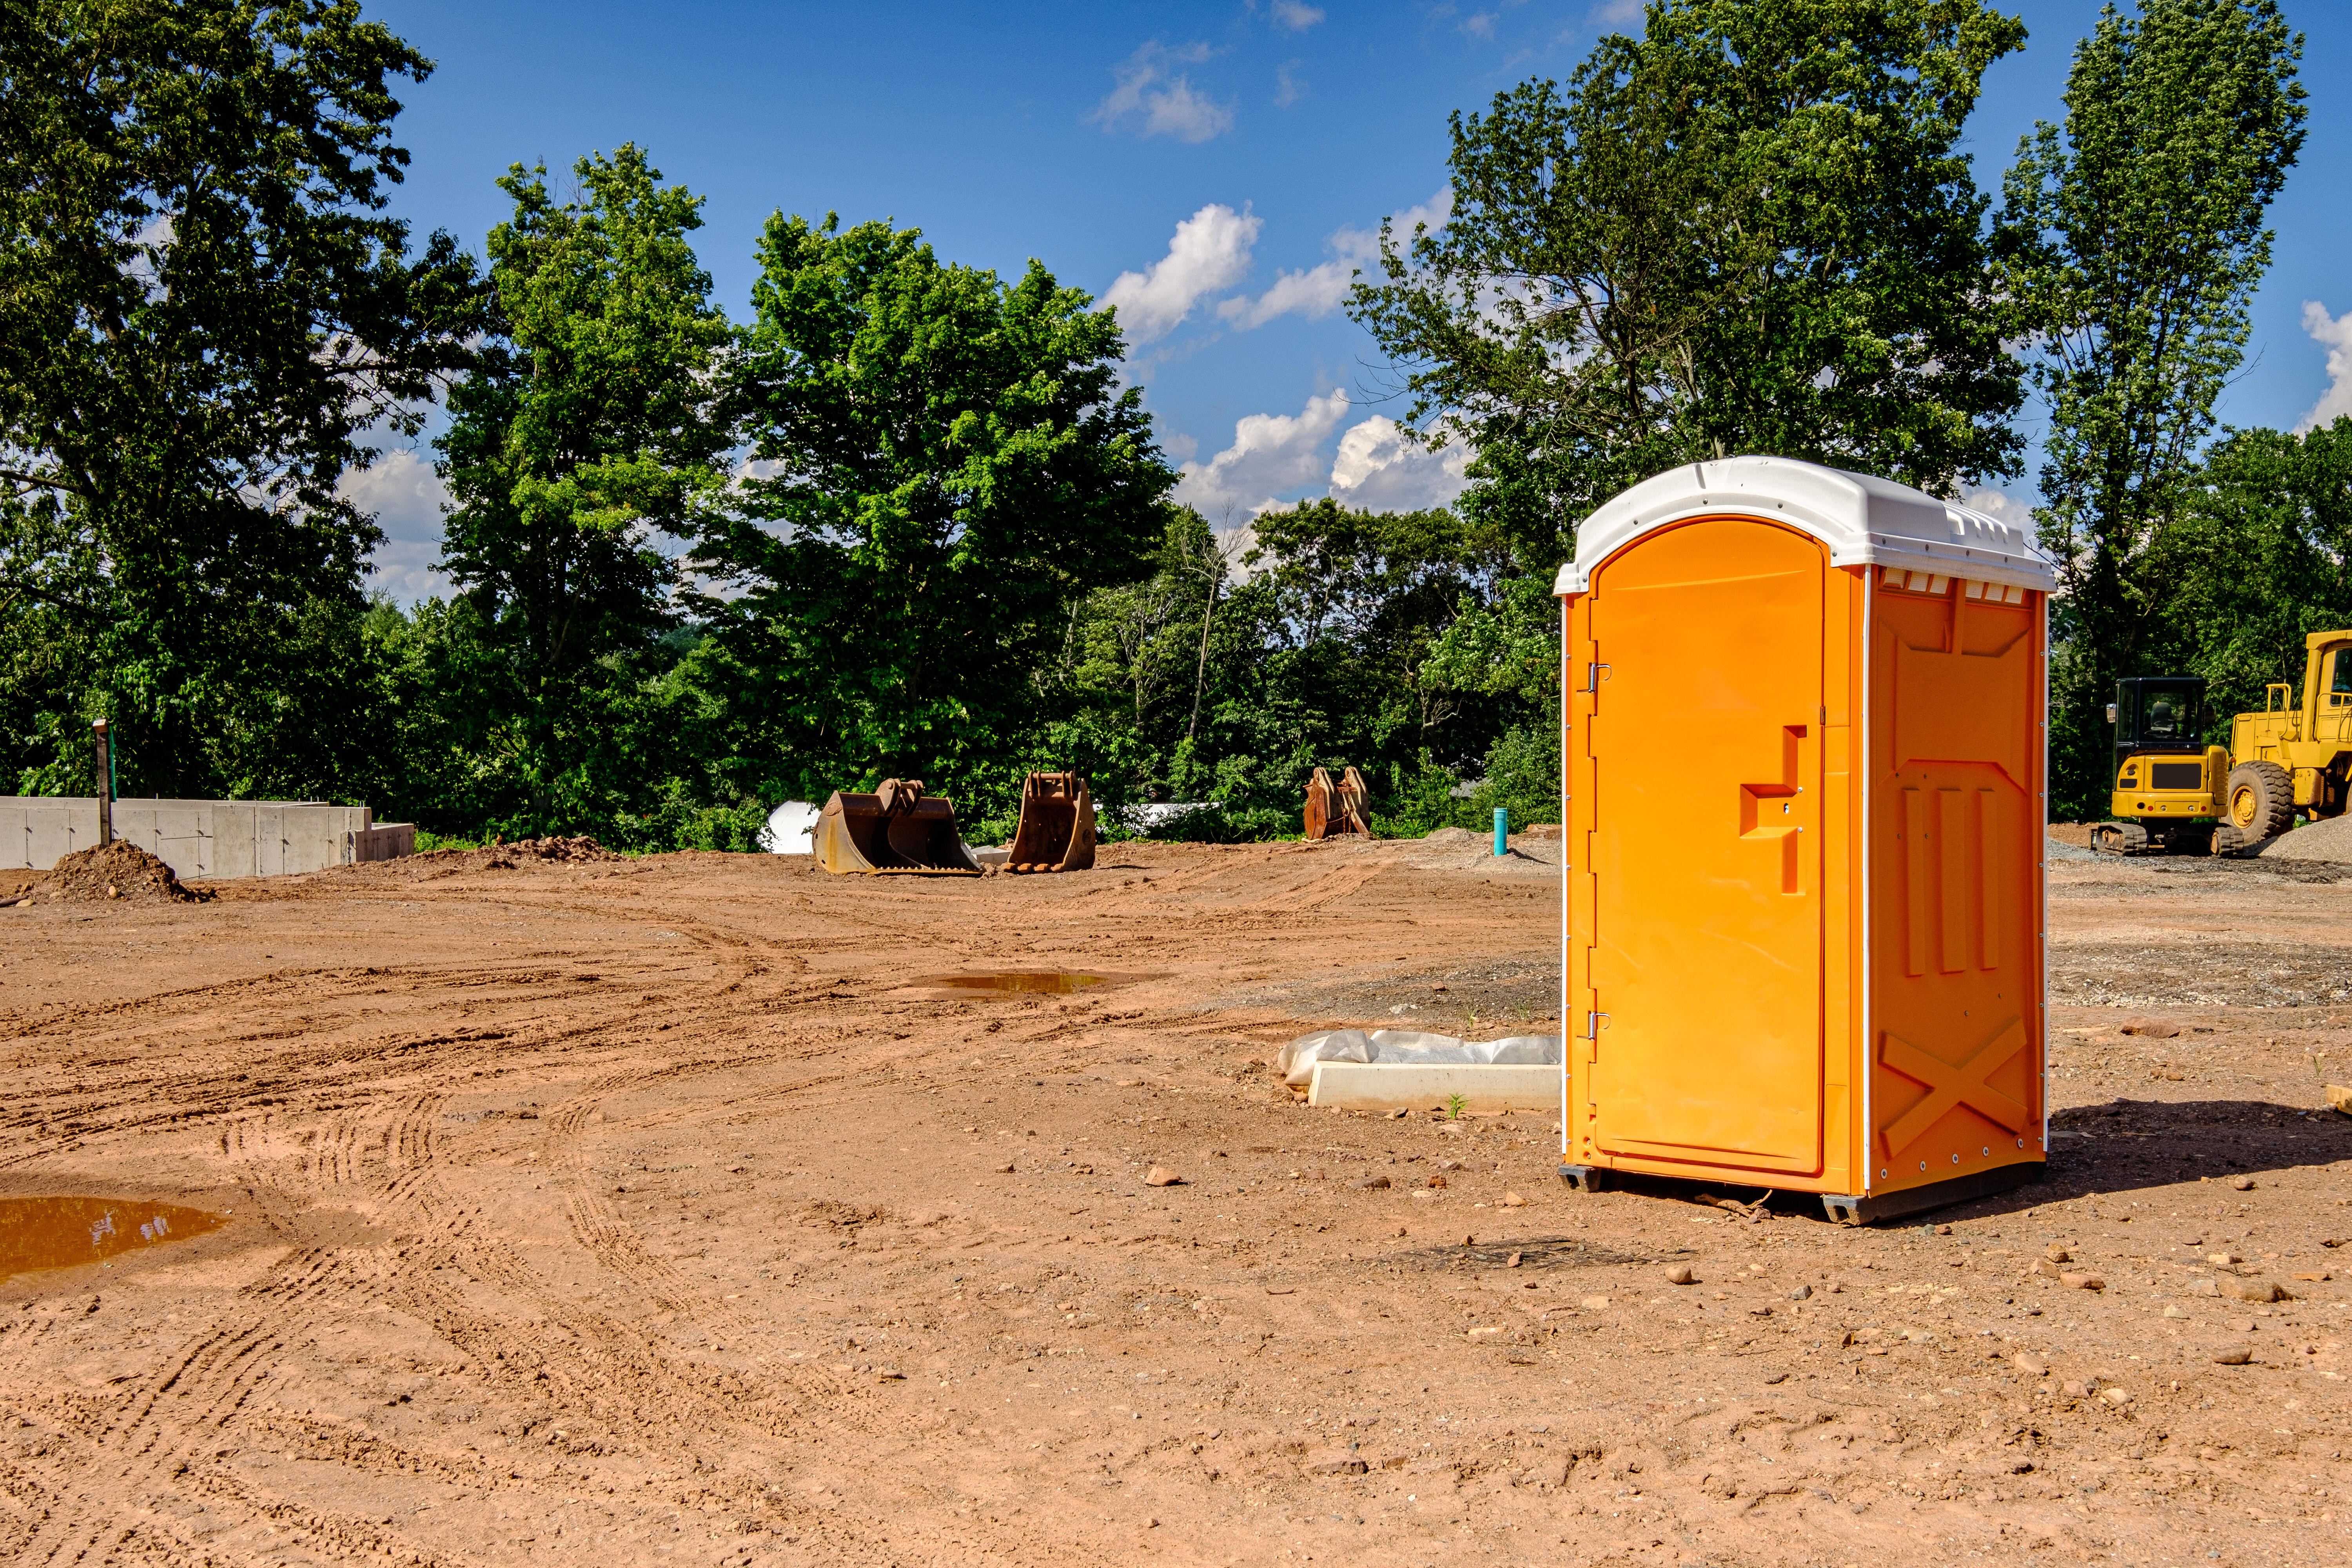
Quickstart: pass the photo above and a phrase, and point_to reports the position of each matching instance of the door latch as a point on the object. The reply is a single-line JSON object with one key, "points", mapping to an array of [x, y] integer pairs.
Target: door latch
{"points": [[1593, 676]]}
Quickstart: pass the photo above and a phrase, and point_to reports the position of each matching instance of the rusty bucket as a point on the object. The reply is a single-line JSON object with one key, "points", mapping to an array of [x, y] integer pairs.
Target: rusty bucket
{"points": [[895, 831], [1337, 810], [1057, 825]]}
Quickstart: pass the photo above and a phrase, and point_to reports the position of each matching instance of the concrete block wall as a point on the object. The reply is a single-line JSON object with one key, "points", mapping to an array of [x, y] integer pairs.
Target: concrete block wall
{"points": [[207, 839]]}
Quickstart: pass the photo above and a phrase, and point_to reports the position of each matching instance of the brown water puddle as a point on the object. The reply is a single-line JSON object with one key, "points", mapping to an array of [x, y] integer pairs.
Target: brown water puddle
{"points": [[60, 1233], [1025, 980]]}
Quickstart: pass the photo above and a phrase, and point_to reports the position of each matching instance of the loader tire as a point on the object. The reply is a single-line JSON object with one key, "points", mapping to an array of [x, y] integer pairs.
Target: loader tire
{"points": [[2260, 805]]}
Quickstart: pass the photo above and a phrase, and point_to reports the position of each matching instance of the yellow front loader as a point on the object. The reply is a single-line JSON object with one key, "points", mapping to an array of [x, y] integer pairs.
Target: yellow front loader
{"points": [[2292, 757]]}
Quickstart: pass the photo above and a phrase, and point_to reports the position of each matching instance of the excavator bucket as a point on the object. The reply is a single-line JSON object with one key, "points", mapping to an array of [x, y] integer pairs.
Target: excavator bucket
{"points": [[1057, 825], [1336, 810], [895, 831]]}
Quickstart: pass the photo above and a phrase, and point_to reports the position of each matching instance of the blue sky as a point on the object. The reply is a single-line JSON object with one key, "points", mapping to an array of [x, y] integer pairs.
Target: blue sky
{"points": [[1216, 169]]}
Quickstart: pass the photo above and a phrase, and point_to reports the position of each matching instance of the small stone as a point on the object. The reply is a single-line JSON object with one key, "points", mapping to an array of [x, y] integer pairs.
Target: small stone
{"points": [[2236, 1355], [2223, 1259], [2203, 1288], [2242, 1184], [1002, 1170], [1335, 1462], [2028, 1363], [1594, 1303], [1801, 1293], [2152, 1031], [2241, 1325], [2174, 1313], [2057, 1254], [1436, 1182], [1682, 1274], [1776, 1377], [2081, 1282], [2243, 1290], [2315, 1275], [1763, 1312], [1162, 1176], [2073, 1389], [2118, 1397], [1513, 1200], [1514, 1261], [1373, 1183]]}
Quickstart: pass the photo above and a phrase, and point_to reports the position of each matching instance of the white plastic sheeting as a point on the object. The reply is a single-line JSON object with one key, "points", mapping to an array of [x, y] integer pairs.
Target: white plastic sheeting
{"points": [[1295, 1062], [789, 828]]}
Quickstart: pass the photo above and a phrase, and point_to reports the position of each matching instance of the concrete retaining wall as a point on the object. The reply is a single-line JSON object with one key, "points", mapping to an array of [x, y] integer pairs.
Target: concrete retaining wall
{"points": [[206, 840]]}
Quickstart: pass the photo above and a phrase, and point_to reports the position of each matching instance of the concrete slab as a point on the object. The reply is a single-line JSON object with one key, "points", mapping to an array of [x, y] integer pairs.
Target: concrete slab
{"points": [[1419, 1086]]}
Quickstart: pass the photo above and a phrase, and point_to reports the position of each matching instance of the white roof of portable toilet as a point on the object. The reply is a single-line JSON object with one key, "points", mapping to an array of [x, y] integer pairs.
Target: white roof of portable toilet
{"points": [[1864, 521]]}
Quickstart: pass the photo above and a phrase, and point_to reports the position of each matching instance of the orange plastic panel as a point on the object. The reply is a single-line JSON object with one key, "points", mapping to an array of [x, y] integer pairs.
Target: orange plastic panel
{"points": [[1704, 848], [1956, 772]]}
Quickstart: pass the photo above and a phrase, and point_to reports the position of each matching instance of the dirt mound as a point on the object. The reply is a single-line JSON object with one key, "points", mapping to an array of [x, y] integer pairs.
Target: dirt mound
{"points": [[580, 851], [2327, 840], [112, 872]]}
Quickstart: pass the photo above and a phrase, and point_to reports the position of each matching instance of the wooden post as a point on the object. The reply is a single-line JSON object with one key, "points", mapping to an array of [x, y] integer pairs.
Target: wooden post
{"points": [[105, 782]]}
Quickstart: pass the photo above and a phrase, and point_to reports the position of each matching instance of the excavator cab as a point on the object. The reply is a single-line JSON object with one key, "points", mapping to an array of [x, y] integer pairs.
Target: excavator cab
{"points": [[2169, 789]]}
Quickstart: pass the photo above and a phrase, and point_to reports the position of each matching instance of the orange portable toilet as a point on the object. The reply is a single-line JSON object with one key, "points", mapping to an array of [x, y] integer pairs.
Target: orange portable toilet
{"points": [[1805, 751]]}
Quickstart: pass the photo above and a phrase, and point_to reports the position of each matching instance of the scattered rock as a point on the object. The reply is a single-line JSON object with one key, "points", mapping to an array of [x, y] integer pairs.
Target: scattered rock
{"points": [[1335, 1462], [1513, 1262], [2242, 1184], [2339, 1099], [2073, 1389], [1513, 1200], [2236, 1355], [1801, 1293], [2239, 1289], [2241, 1325], [2118, 1397], [2315, 1275], [1594, 1303], [1549, 1474], [2081, 1281], [2028, 1363], [2172, 1311], [2057, 1254], [1373, 1183], [1162, 1176], [2223, 1259], [1682, 1274], [1004, 1170], [2203, 1288], [1436, 1182], [2151, 1031]]}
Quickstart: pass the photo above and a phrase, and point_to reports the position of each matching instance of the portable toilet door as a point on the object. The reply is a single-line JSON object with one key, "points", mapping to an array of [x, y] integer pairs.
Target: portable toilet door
{"points": [[1804, 746]]}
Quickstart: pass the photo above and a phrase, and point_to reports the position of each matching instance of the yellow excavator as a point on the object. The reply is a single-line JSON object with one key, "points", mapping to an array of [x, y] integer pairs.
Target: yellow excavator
{"points": [[2172, 794]]}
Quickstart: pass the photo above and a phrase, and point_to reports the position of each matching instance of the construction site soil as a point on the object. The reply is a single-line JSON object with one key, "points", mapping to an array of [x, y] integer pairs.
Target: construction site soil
{"points": [[494, 1207]]}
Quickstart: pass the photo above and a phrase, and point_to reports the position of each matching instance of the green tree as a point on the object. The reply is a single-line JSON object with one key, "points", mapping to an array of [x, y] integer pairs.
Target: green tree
{"points": [[2136, 239], [1751, 229], [947, 463], [590, 427], [2262, 555], [204, 314]]}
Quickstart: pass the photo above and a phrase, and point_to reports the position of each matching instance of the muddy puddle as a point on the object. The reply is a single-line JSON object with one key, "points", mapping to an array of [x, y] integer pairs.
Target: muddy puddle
{"points": [[62, 1232], [1017, 980]]}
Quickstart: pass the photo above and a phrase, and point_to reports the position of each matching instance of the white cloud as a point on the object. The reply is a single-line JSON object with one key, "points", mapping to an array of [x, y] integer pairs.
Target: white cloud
{"points": [[1273, 457], [2335, 333], [1380, 470], [407, 497], [1617, 13], [1287, 88], [1318, 290], [1481, 25], [1290, 14], [1163, 104], [2002, 506], [1210, 250]]}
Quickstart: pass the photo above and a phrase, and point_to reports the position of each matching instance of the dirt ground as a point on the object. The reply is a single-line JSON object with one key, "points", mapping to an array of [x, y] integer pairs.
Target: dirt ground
{"points": [[656, 1212]]}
